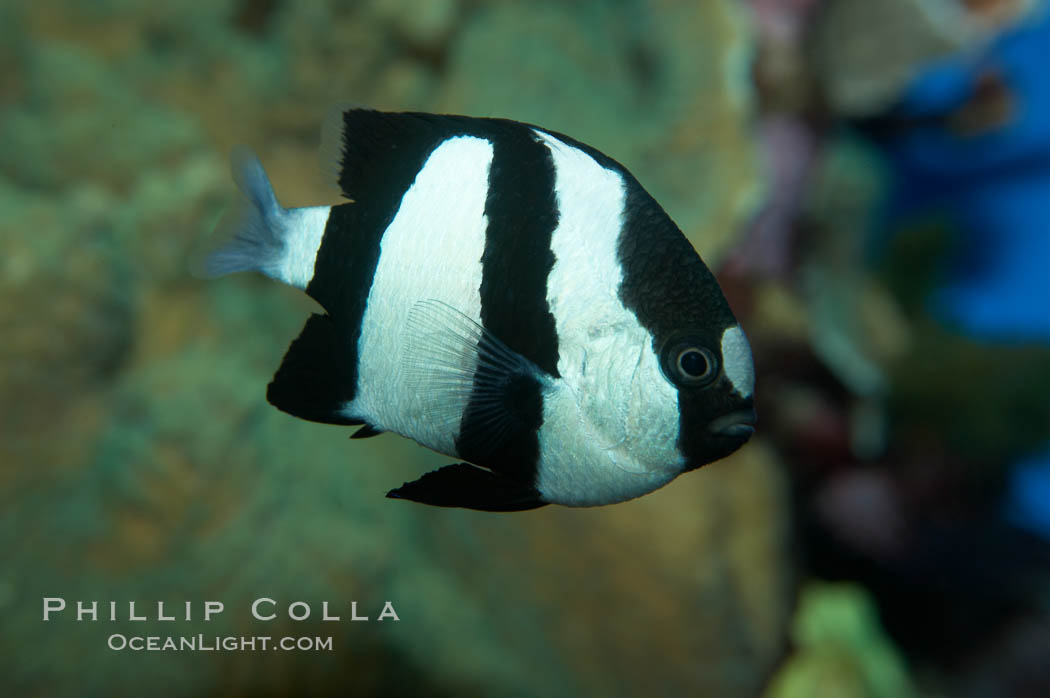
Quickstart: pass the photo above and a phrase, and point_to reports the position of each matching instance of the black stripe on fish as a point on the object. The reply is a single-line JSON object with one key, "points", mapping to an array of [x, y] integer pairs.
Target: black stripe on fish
{"points": [[522, 214], [380, 156], [664, 282], [313, 381], [380, 153], [671, 291], [343, 271]]}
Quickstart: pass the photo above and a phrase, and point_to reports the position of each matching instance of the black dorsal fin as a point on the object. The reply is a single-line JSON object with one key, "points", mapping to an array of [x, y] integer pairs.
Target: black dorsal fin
{"points": [[313, 381], [470, 487], [368, 152]]}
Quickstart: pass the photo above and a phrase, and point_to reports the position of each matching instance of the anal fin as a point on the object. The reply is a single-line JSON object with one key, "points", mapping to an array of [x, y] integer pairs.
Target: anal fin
{"points": [[470, 487], [314, 381]]}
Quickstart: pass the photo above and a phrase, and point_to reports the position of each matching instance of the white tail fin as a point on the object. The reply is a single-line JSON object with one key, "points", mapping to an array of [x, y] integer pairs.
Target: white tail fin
{"points": [[253, 233]]}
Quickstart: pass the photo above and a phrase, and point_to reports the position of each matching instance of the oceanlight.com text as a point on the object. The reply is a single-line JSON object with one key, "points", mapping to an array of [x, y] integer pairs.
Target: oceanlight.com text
{"points": [[216, 643]]}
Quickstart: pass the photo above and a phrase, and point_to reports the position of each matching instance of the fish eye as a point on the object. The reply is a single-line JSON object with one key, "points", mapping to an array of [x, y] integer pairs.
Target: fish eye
{"points": [[686, 363], [693, 363]]}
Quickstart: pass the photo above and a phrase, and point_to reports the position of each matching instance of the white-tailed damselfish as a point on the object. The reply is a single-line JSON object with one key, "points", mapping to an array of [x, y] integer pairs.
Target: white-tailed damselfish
{"points": [[507, 296]]}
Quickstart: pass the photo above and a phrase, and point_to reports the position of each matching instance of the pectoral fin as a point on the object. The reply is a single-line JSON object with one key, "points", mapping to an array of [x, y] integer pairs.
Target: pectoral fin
{"points": [[474, 385], [468, 486]]}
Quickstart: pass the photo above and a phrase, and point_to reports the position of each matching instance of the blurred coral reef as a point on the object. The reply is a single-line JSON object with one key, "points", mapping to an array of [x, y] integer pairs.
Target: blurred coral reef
{"points": [[908, 392], [841, 650]]}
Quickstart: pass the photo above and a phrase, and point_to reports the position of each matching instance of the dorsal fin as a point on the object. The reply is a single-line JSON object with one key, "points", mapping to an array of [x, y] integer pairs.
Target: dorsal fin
{"points": [[362, 148]]}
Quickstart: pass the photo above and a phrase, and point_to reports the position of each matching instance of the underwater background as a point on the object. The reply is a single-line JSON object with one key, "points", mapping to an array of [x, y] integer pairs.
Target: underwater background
{"points": [[870, 181]]}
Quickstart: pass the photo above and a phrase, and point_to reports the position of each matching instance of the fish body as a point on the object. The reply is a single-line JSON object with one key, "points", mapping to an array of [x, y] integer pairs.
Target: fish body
{"points": [[504, 295]]}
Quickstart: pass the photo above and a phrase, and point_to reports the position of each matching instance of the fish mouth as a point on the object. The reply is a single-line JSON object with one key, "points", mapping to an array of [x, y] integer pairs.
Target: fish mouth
{"points": [[739, 424]]}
